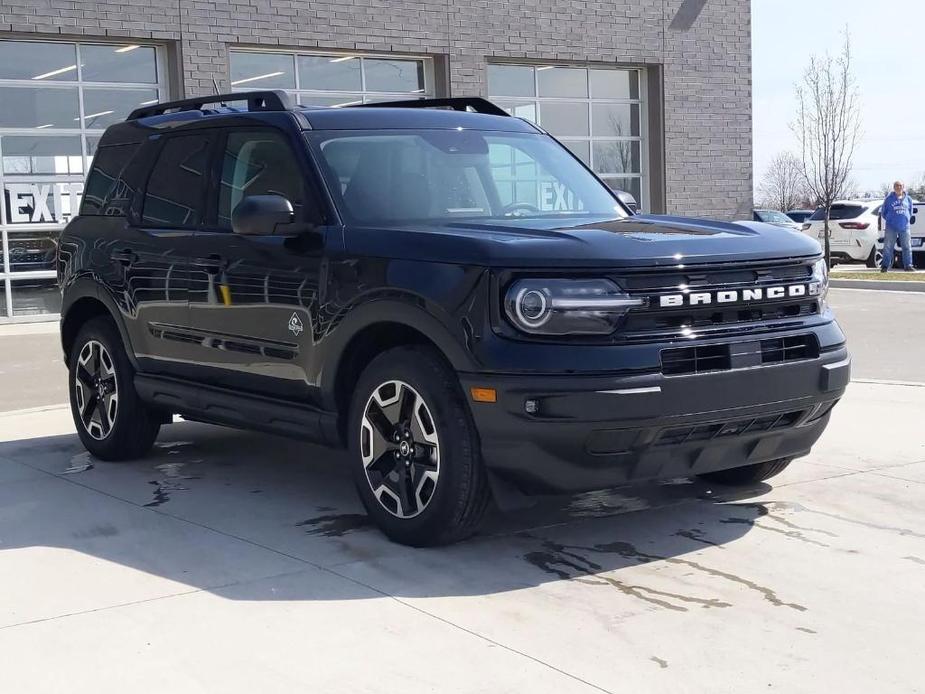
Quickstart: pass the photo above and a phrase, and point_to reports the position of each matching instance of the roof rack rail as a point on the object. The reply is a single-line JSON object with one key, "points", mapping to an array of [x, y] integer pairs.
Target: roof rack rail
{"points": [[461, 103], [268, 100]]}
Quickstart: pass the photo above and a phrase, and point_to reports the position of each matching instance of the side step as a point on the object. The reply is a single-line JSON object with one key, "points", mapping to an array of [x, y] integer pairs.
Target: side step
{"points": [[222, 406]]}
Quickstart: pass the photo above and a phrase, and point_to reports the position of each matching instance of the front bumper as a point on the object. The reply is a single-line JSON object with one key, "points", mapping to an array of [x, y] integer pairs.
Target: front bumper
{"points": [[595, 432]]}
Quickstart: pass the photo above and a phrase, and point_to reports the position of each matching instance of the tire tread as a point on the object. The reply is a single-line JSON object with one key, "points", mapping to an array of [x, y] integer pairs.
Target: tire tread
{"points": [[135, 429]]}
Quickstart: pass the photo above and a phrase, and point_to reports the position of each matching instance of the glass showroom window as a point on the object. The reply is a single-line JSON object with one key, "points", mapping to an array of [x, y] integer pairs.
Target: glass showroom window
{"points": [[333, 80], [55, 101], [598, 113]]}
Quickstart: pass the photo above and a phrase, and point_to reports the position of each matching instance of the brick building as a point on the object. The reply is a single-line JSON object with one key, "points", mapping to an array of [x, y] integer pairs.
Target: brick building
{"points": [[654, 94]]}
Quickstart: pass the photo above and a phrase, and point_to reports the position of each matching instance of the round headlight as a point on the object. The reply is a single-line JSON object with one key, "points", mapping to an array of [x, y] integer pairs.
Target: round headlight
{"points": [[532, 307], [556, 306]]}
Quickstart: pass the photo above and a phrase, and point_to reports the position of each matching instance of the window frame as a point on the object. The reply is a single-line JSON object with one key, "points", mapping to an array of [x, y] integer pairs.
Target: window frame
{"points": [[590, 101], [161, 87], [365, 95]]}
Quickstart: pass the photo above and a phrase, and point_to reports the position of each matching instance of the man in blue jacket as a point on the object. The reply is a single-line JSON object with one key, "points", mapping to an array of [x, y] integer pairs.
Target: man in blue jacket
{"points": [[897, 213]]}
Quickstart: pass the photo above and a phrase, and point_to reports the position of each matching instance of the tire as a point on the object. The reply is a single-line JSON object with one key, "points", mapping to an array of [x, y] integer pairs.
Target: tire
{"points": [[428, 487], [748, 474], [98, 365], [874, 259]]}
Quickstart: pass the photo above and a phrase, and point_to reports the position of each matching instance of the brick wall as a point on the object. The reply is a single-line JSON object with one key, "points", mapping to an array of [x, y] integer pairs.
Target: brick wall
{"points": [[706, 68]]}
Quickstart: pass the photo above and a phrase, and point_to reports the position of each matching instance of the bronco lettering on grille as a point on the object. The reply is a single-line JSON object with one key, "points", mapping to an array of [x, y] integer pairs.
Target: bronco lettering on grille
{"points": [[733, 296]]}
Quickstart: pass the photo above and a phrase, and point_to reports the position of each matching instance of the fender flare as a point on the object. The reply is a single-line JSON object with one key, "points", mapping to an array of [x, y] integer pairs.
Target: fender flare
{"points": [[389, 311], [87, 287]]}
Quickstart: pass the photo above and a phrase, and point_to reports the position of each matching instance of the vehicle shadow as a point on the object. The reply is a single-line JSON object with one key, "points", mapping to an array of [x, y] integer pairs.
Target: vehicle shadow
{"points": [[224, 511]]}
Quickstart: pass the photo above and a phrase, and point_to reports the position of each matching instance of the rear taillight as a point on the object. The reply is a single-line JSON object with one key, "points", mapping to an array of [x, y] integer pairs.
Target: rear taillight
{"points": [[853, 225]]}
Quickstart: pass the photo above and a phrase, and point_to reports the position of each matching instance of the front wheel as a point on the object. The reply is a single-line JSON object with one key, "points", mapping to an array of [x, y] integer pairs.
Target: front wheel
{"points": [[748, 474], [415, 452], [111, 420]]}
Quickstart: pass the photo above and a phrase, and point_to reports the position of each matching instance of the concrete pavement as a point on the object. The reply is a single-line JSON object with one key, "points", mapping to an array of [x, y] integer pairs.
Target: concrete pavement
{"points": [[230, 561]]}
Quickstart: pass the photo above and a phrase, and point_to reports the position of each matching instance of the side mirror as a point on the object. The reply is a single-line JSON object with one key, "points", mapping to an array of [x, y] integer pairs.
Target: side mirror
{"points": [[259, 215], [628, 200]]}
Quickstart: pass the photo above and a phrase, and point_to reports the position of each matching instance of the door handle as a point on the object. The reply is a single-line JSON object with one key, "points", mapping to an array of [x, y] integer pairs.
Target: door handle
{"points": [[211, 264], [125, 256]]}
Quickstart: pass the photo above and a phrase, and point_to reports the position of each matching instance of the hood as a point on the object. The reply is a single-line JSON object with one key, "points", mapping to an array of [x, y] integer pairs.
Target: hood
{"points": [[638, 241]]}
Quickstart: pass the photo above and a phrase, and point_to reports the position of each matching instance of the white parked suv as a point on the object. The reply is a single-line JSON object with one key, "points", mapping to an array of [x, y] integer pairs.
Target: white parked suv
{"points": [[854, 227]]}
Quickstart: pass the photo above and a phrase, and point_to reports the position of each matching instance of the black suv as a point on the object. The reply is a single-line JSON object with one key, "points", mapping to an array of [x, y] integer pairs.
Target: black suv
{"points": [[441, 288]]}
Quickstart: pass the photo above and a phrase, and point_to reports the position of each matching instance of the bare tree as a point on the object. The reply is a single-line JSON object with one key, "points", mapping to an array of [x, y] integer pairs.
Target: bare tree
{"points": [[783, 186], [828, 126], [916, 187]]}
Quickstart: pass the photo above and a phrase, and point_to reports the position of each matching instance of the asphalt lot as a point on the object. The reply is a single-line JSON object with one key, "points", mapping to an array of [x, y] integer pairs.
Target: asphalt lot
{"points": [[229, 561]]}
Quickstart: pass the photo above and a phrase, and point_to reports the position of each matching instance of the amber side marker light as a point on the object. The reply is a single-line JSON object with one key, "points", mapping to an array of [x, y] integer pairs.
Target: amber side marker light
{"points": [[484, 394]]}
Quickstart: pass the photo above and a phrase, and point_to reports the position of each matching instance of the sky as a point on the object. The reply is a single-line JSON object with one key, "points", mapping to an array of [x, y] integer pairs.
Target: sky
{"points": [[889, 58]]}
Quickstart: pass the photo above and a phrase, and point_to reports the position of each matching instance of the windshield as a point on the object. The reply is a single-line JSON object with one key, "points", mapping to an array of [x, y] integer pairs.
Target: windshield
{"points": [[445, 175], [774, 217]]}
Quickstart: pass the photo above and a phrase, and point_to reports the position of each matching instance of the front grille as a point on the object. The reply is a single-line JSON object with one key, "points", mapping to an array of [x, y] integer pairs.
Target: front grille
{"points": [[690, 318], [696, 360], [720, 430], [656, 321], [792, 348], [701, 359]]}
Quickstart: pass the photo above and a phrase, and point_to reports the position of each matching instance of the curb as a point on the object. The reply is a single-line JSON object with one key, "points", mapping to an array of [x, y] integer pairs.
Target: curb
{"points": [[879, 285]]}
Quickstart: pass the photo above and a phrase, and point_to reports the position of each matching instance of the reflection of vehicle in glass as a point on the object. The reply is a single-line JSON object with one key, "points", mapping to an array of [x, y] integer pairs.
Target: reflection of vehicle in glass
{"points": [[916, 241], [452, 296], [31, 251], [852, 228], [800, 216], [776, 218]]}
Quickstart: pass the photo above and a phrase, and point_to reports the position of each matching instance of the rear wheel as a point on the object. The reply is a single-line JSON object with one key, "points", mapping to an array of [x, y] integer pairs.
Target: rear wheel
{"points": [[875, 259], [748, 474], [415, 452], [111, 420]]}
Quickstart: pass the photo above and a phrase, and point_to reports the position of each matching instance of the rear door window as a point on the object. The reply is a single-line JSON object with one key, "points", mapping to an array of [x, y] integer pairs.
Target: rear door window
{"points": [[839, 212], [176, 187]]}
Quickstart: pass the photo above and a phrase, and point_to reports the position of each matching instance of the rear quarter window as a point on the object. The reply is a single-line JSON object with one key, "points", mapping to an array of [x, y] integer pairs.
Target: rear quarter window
{"points": [[839, 212], [106, 191]]}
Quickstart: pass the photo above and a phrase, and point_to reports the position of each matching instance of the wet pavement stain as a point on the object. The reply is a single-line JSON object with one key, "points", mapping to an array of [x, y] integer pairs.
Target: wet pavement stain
{"points": [[172, 481], [175, 471], [793, 534], [627, 550], [79, 463], [698, 536], [792, 506], [335, 525], [559, 561], [764, 512], [663, 664], [173, 444], [96, 531], [556, 555], [916, 560], [160, 495]]}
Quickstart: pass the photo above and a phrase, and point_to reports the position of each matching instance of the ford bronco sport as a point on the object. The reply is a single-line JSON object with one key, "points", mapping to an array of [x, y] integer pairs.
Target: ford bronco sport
{"points": [[441, 288]]}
